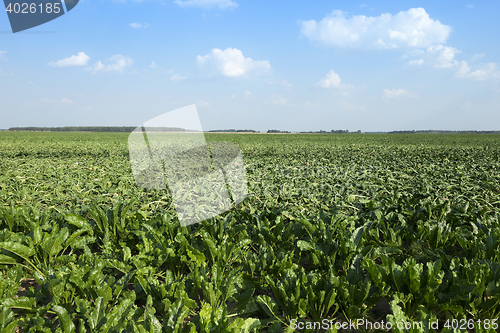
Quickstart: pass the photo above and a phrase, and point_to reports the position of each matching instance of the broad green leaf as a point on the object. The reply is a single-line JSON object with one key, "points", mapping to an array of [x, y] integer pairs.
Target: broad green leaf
{"points": [[268, 305], [5, 259], [357, 236], [64, 319], [18, 249], [25, 303], [97, 314], [196, 256], [303, 246], [78, 221], [117, 318], [244, 326]]}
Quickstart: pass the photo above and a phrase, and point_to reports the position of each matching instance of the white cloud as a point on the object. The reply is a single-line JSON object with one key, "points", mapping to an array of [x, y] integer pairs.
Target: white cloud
{"points": [[203, 103], [231, 62], [177, 77], [470, 6], [233, 96], [393, 92], [31, 83], [332, 79], [413, 31], [139, 25], [118, 63], [248, 93], [407, 29], [153, 65], [444, 56], [207, 4], [416, 62], [75, 60], [2, 53], [286, 84], [488, 71]]}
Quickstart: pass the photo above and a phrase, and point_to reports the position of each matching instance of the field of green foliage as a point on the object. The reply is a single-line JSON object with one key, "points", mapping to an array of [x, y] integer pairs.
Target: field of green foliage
{"points": [[394, 230]]}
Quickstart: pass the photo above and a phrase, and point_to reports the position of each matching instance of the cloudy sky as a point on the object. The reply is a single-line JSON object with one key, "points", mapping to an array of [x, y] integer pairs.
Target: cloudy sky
{"points": [[289, 65]]}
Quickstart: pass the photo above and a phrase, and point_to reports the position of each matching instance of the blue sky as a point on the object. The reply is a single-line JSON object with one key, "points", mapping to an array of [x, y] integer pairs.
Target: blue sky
{"points": [[289, 65]]}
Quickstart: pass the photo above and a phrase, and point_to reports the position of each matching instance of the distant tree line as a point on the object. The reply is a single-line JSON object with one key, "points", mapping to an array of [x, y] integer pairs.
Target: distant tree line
{"points": [[276, 131], [443, 132], [308, 132], [332, 131], [317, 132], [235, 131], [126, 129]]}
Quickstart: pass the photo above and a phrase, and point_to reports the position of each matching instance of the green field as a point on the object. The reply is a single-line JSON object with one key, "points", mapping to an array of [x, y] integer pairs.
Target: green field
{"points": [[336, 227]]}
